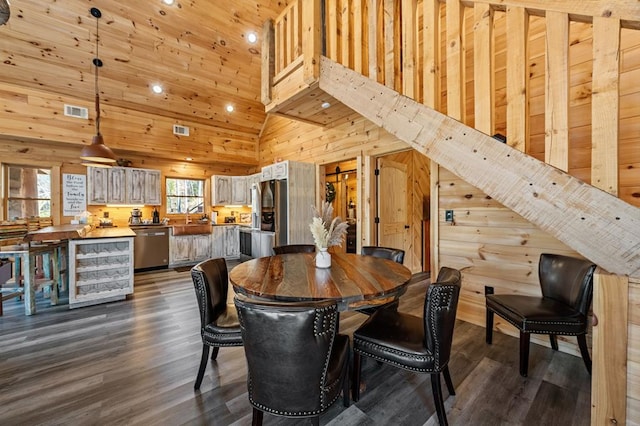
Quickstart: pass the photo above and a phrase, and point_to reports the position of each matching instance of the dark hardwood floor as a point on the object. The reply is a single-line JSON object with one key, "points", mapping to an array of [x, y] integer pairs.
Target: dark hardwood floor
{"points": [[135, 362]]}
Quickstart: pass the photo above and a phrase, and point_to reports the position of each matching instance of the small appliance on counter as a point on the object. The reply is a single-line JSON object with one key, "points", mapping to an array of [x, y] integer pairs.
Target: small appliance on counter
{"points": [[136, 217], [229, 219]]}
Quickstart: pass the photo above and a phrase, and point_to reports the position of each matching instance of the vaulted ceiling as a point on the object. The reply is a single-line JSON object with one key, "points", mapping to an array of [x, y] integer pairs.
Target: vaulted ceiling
{"points": [[197, 50]]}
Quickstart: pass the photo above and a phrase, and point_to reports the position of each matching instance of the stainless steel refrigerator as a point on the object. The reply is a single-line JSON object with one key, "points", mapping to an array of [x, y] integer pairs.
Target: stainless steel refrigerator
{"points": [[274, 209]]}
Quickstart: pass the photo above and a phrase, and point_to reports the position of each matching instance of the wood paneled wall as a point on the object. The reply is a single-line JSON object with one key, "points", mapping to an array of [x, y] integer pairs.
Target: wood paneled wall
{"points": [[633, 352], [64, 157]]}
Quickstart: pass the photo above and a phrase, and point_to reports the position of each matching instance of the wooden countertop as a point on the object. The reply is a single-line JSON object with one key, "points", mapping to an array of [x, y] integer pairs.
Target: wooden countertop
{"points": [[74, 232]]}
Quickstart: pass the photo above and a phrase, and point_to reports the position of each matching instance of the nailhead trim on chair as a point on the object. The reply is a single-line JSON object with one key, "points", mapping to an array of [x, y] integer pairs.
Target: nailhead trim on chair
{"points": [[443, 298], [199, 282], [559, 333]]}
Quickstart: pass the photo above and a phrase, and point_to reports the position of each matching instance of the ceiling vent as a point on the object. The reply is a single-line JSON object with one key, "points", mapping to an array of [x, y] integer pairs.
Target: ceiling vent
{"points": [[76, 111], [180, 130]]}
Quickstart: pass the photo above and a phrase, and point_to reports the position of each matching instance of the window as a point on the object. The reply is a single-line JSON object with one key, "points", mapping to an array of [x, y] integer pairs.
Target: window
{"points": [[28, 191], [185, 196]]}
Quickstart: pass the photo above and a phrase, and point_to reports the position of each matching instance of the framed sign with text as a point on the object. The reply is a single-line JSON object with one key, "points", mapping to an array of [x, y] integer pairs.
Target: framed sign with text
{"points": [[74, 194]]}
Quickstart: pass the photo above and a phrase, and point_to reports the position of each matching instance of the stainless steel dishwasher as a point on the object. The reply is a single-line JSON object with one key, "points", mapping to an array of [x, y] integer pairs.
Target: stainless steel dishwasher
{"points": [[151, 247]]}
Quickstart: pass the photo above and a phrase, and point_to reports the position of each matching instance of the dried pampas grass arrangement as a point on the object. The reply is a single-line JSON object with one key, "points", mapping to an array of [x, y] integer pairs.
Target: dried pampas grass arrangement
{"points": [[327, 231]]}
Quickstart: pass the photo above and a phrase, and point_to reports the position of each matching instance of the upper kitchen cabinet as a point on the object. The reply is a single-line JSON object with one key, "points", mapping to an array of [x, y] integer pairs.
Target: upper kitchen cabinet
{"points": [[276, 171], [239, 190], [97, 184], [121, 185], [135, 179], [229, 190], [116, 189], [220, 190], [152, 193]]}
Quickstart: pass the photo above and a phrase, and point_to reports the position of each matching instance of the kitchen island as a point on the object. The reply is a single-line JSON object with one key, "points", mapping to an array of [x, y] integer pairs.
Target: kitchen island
{"points": [[99, 262]]}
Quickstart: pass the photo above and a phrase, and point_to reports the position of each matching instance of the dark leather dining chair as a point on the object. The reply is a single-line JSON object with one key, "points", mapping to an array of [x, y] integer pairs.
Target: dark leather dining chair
{"points": [[297, 362], [416, 344], [567, 288], [397, 255], [295, 248], [219, 325]]}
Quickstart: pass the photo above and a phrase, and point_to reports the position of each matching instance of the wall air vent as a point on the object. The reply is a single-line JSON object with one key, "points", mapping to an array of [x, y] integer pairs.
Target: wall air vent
{"points": [[76, 111], [180, 130]]}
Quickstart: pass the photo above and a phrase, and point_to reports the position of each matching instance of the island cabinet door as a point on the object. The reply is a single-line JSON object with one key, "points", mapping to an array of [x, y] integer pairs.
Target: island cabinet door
{"points": [[180, 249], [201, 249], [152, 194], [231, 242], [117, 186], [97, 184], [135, 179]]}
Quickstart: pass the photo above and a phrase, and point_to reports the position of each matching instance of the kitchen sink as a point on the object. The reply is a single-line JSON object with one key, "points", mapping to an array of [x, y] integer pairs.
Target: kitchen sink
{"points": [[191, 229]]}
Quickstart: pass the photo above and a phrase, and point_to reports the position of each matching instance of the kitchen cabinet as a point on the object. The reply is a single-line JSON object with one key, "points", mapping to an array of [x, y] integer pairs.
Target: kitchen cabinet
{"points": [[117, 190], [135, 180], [229, 190], [253, 179], [97, 184], [278, 170], [225, 241], [152, 191], [239, 190], [261, 243], [189, 249], [123, 185], [220, 190], [100, 270]]}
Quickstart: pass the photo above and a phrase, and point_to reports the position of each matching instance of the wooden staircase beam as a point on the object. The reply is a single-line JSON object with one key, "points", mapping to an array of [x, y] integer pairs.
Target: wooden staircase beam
{"points": [[599, 226]]}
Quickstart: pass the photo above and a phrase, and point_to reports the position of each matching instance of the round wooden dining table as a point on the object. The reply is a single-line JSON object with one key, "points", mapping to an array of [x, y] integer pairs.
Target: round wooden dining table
{"points": [[353, 281]]}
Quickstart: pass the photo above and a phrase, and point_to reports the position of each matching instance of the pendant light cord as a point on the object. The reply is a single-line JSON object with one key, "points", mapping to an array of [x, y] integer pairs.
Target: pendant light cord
{"points": [[97, 63]]}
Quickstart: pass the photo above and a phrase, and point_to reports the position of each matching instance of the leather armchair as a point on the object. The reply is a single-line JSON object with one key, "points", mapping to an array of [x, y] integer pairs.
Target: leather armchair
{"points": [[297, 362], [567, 290], [295, 248], [219, 325], [416, 344], [397, 255]]}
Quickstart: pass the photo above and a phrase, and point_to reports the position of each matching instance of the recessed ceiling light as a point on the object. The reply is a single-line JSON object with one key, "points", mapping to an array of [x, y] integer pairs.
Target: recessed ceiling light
{"points": [[229, 108], [325, 105], [169, 2], [189, 159], [252, 37], [156, 88]]}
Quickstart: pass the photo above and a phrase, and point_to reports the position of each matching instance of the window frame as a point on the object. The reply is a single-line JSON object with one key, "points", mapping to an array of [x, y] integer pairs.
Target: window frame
{"points": [[200, 207], [53, 173]]}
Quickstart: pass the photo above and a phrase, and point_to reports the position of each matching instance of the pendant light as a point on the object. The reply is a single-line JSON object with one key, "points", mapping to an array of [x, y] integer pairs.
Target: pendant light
{"points": [[97, 152]]}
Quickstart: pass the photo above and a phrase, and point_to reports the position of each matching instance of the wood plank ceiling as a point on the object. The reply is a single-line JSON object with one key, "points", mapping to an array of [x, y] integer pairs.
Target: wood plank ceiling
{"points": [[197, 50]]}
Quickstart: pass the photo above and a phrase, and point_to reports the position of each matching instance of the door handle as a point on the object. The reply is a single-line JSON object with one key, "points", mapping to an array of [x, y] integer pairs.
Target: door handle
{"points": [[406, 227]]}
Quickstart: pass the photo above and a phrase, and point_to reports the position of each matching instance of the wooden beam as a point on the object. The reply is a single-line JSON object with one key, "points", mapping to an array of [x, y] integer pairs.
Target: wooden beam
{"points": [[432, 94], [455, 60], [332, 29], [358, 36], [609, 343], [372, 37], [311, 40], [268, 61], [409, 48], [389, 43], [517, 78], [483, 69], [605, 104], [345, 34], [556, 118], [597, 225]]}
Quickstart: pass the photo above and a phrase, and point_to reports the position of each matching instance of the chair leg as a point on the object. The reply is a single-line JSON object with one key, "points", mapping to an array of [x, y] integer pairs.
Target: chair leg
{"points": [[554, 342], [203, 366], [214, 352], [355, 382], [346, 401], [489, 320], [257, 417], [315, 421], [447, 380], [437, 399], [584, 351], [524, 353]]}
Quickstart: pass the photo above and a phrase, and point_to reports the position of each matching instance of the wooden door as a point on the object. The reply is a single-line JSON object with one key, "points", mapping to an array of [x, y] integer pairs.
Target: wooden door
{"points": [[393, 225]]}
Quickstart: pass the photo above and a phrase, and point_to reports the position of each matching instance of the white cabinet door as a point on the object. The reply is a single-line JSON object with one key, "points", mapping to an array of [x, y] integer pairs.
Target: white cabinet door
{"points": [[97, 184], [201, 247], [239, 190], [220, 190], [267, 173], [217, 242], [231, 242], [179, 249], [281, 170], [152, 194], [135, 179], [117, 191]]}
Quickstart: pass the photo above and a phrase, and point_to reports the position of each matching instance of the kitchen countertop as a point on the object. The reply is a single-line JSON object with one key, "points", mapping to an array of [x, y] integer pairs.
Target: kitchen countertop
{"points": [[75, 232]]}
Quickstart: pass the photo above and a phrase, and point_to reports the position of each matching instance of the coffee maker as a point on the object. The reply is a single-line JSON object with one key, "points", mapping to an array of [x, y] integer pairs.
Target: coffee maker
{"points": [[136, 217]]}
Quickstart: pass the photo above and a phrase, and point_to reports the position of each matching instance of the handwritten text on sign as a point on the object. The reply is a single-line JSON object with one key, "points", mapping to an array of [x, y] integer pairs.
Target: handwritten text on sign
{"points": [[74, 194]]}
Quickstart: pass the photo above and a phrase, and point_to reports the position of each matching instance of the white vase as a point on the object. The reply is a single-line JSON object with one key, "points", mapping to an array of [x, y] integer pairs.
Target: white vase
{"points": [[323, 258]]}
